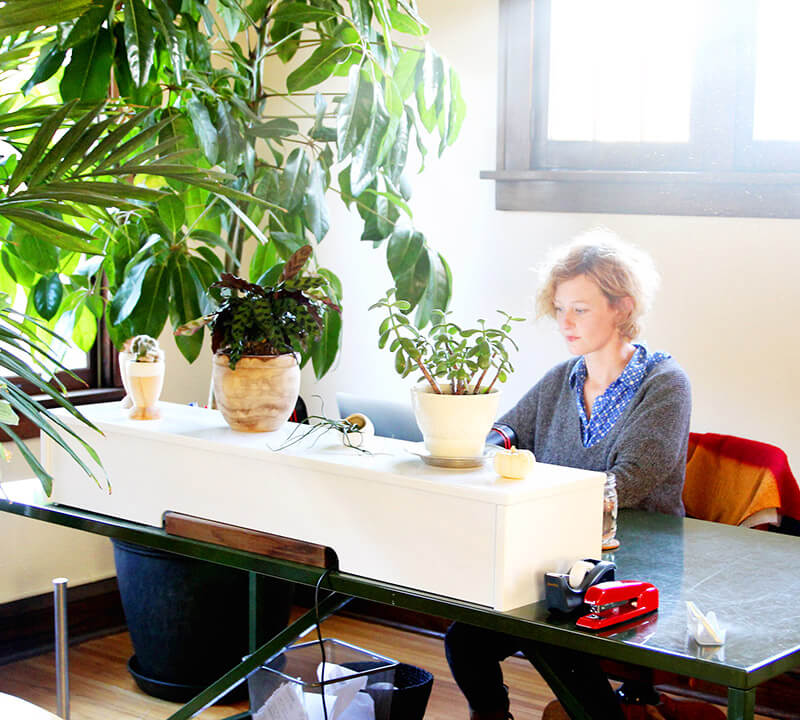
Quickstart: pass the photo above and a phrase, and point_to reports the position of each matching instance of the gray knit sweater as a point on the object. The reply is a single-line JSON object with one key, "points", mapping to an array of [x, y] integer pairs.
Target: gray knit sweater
{"points": [[645, 449]]}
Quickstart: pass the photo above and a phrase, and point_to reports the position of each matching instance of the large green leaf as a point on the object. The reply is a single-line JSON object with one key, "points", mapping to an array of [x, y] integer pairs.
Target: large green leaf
{"points": [[21, 15], [88, 74], [150, 314], [231, 142], [204, 129], [354, 114], [50, 59], [362, 14], [164, 19], [325, 350], [294, 179], [39, 256], [140, 40], [274, 129], [319, 67], [403, 251], [47, 294], [395, 161], [437, 293], [184, 307], [264, 257], [366, 156], [407, 24], [170, 210], [128, 294], [88, 24], [314, 205], [299, 13], [84, 328], [429, 89], [457, 110], [284, 36]]}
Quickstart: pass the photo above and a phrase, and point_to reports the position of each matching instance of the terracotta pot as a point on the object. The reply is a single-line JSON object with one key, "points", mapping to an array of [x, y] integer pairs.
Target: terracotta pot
{"points": [[454, 426], [259, 394]]}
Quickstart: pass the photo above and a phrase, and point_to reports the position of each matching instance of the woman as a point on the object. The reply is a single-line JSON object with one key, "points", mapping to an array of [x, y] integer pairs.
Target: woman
{"points": [[616, 407]]}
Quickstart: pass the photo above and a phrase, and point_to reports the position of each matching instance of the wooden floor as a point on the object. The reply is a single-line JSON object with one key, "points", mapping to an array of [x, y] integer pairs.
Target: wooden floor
{"points": [[102, 689]]}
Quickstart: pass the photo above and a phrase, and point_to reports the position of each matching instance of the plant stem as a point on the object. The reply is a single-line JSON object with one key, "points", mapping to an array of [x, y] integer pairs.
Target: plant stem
{"points": [[419, 362], [480, 380]]}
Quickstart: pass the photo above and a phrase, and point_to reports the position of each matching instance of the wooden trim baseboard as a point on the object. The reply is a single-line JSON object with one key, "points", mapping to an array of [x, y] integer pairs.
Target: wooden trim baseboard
{"points": [[26, 626]]}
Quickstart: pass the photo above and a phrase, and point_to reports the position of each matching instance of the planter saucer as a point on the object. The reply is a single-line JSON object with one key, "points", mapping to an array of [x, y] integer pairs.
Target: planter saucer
{"points": [[420, 451]]}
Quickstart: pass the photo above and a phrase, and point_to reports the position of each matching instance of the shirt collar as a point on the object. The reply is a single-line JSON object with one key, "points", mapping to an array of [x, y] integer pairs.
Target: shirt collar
{"points": [[630, 376]]}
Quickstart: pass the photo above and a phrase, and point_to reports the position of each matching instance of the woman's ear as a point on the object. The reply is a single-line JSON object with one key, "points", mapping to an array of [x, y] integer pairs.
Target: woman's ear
{"points": [[624, 307]]}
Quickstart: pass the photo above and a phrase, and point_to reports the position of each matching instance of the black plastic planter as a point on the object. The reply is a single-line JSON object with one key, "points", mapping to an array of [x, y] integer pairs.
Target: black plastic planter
{"points": [[188, 619]]}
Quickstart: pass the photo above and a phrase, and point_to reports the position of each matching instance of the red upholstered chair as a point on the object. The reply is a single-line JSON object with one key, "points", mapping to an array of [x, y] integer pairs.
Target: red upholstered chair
{"points": [[736, 481]]}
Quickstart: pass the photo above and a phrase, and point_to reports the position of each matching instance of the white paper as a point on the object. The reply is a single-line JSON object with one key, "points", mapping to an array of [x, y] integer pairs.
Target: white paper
{"points": [[704, 628], [361, 707], [344, 690], [284, 704]]}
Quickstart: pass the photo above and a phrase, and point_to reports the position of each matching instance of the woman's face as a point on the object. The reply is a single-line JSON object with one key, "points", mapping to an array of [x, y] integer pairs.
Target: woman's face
{"points": [[586, 319]]}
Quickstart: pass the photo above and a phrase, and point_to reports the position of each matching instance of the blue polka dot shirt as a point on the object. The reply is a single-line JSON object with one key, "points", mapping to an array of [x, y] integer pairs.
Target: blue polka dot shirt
{"points": [[608, 407]]}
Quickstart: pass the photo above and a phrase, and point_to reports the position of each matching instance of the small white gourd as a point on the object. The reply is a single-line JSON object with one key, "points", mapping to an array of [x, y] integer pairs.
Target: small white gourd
{"points": [[513, 463]]}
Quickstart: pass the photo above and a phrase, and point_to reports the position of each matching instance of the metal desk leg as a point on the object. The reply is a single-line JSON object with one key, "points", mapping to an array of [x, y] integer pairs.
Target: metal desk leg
{"points": [[741, 704], [231, 679]]}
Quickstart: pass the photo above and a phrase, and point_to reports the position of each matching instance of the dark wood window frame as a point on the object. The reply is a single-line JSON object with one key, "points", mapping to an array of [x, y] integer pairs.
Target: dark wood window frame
{"points": [[100, 382], [751, 179]]}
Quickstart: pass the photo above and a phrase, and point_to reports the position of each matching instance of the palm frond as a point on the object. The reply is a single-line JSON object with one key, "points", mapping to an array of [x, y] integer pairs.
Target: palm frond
{"points": [[20, 15]]}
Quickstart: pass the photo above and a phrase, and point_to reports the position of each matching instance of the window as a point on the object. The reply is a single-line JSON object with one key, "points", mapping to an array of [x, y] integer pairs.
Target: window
{"points": [[98, 381], [686, 107]]}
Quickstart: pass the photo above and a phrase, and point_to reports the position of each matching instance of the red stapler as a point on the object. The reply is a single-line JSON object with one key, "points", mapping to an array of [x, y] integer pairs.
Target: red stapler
{"points": [[617, 602]]}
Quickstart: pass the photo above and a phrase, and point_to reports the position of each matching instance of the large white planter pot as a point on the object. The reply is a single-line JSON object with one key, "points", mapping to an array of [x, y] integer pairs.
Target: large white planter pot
{"points": [[454, 426]]}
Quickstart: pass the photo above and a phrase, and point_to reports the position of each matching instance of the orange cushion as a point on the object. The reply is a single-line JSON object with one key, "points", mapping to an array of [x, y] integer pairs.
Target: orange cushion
{"points": [[728, 479]]}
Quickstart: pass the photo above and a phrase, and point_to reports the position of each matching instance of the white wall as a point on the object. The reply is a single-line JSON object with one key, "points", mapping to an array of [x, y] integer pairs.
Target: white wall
{"points": [[729, 285], [725, 310]]}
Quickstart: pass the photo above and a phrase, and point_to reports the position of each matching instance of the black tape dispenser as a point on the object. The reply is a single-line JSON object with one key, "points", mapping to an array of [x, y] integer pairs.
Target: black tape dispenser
{"points": [[564, 591]]}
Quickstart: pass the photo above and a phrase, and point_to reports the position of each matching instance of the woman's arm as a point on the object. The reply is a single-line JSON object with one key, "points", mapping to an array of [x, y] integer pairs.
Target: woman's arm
{"points": [[522, 418], [651, 450]]}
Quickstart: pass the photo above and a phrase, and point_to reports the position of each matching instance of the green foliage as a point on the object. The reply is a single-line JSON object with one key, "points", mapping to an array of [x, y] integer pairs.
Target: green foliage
{"points": [[276, 317], [464, 361], [25, 354], [160, 50]]}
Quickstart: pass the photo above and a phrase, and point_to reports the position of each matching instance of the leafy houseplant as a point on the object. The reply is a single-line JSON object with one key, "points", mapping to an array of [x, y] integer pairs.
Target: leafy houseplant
{"points": [[256, 330], [198, 70], [456, 401]]}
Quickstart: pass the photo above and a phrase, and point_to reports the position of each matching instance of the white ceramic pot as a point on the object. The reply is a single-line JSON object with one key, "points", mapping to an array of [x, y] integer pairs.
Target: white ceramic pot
{"points": [[145, 382], [454, 425]]}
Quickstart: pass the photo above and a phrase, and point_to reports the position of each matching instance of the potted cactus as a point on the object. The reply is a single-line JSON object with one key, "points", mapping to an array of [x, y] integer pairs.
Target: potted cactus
{"points": [[141, 366], [455, 401], [257, 332]]}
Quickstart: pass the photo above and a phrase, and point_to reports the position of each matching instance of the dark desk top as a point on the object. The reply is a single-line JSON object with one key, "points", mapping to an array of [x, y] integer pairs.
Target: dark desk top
{"points": [[746, 576]]}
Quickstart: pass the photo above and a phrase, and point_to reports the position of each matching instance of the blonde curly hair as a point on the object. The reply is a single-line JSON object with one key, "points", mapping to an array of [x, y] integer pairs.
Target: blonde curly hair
{"points": [[620, 270]]}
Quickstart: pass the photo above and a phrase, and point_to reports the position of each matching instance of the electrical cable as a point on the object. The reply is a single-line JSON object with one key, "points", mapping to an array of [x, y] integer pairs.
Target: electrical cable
{"points": [[319, 638]]}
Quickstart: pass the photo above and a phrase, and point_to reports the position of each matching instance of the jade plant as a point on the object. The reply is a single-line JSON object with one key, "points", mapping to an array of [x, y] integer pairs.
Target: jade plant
{"points": [[280, 314], [452, 359]]}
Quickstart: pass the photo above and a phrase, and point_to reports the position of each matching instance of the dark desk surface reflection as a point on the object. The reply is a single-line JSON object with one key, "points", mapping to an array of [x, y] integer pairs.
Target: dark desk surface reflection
{"points": [[748, 577]]}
